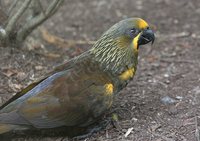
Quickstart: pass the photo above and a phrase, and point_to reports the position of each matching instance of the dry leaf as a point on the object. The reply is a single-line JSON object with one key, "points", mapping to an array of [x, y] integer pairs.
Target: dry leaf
{"points": [[39, 67], [9, 72], [15, 87], [60, 42]]}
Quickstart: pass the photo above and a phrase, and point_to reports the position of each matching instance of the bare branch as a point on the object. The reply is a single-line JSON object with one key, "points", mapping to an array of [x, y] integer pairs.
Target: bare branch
{"points": [[30, 14], [197, 129], [2, 34], [3, 17], [12, 6], [16, 16], [37, 20], [53, 7], [36, 8]]}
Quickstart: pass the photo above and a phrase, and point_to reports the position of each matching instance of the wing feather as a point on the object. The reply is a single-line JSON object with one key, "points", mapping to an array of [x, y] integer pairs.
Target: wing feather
{"points": [[65, 98]]}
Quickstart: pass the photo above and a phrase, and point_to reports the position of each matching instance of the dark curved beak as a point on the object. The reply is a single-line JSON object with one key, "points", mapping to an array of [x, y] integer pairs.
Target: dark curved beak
{"points": [[146, 37]]}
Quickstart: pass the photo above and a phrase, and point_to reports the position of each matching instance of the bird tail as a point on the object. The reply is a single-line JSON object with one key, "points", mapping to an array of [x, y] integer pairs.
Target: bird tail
{"points": [[7, 127], [4, 128]]}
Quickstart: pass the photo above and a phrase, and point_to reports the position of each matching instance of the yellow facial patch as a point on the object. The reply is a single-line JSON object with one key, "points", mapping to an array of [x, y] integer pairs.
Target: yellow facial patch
{"points": [[135, 41], [109, 89], [142, 24], [127, 74]]}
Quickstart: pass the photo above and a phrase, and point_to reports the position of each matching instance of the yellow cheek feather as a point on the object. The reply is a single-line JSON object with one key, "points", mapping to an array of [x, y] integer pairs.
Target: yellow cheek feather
{"points": [[127, 74], [142, 24], [109, 89], [135, 41]]}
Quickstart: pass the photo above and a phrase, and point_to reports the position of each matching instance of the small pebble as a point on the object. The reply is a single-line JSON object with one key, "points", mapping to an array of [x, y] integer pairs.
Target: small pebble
{"points": [[39, 68], [167, 81], [166, 75], [134, 119], [179, 97], [167, 100]]}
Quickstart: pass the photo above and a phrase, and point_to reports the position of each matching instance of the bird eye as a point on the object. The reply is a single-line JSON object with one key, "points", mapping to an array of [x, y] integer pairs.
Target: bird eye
{"points": [[133, 30]]}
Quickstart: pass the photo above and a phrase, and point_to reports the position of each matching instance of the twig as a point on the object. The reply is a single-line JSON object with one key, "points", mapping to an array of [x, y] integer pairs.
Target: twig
{"points": [[53, 7], [128, 132], [177, 61], [36, 8], [174, 35], [2, 34], [37, 20], [162, 136], [16, 16], [3, 13], [197, 135], [52, 39], [48, 55], [14, 3], [116, 109]]}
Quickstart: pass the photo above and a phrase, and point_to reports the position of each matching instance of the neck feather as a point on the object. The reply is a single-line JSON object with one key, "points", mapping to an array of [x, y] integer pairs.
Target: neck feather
{"points": [[114, 55]]}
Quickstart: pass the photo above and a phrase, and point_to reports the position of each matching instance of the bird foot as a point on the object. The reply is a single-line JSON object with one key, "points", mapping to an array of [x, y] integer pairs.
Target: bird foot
{"points": [[93, 129]]}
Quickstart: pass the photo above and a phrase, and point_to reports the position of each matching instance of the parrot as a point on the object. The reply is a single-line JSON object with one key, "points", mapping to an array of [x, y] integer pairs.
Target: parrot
{"points": [[79, 91]]}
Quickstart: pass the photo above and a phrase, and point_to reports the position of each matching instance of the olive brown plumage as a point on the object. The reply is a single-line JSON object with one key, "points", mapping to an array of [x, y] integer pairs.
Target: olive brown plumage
{"points": [[81, 90]]}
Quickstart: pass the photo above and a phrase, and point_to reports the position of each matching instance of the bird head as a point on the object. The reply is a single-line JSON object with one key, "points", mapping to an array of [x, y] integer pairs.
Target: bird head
{"points": [[119, 45], [131, 32]]}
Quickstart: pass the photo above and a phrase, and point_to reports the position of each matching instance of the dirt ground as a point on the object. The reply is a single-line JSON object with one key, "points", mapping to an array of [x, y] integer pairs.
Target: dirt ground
{"points": [[161, 103]]}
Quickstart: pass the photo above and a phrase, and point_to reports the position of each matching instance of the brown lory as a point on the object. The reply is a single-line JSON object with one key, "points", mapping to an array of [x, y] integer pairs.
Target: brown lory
{"points": [[78, 92]]}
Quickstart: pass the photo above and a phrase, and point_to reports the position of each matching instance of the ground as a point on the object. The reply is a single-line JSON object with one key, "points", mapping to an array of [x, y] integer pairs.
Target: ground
{"points": [[161, 103]]}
